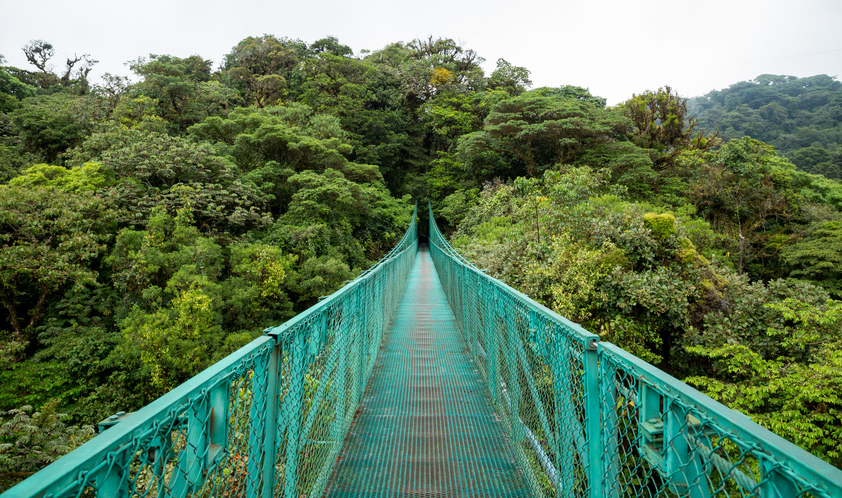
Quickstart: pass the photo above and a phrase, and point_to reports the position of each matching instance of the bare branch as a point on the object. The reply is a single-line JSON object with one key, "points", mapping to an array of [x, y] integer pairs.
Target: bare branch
{"points": [[38, 53]]}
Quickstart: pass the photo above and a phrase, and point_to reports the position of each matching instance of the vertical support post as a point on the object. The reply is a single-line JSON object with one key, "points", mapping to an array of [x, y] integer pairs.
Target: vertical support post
{"points": [[381, 300], [362, 309], [513, 386], [374, 328], [775, 483], [192, 460], [270, 422], [293, 406], [220, 404], [465, 293], [462, 292], [683, 464], [198, 417], [650, 404], [257, 428], [650, 444], [341, 341], [113, 481], [160, 452], [599, 407], [470, 313], [563, 399], [390, 292], [490, 324]]}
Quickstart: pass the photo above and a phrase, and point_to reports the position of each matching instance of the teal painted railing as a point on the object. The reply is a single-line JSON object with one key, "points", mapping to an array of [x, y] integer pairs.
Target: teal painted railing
{"points": [[588, 419], [585, 418], [268, 420]]}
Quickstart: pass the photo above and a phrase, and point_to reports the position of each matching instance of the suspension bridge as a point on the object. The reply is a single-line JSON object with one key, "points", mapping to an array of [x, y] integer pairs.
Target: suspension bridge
{"points": [[424, 377]]}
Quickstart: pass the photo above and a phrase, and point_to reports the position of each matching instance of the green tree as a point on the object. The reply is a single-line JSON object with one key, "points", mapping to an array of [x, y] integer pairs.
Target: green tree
{"points": [[427, 67], [259, 288], [630, 166], [272, 144], [462, 63], [336, 84], [745, 190], [38, 53], [371, 101], [51, 239], [182, 89], [48, 125], [569, 242], [331, 44], [817, 257], [331, 214], [74, 359], [75, 76], [89, 177], [31, 441], [452, 115], [185, 301], [154, 169], [662, 124], [176, 341], [12, 90], [800, 117], [796, 394], [259, 67], [544, 127], [514, 80]]}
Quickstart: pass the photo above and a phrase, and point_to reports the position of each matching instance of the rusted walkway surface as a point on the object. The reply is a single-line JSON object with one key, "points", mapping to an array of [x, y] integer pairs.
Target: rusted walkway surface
{"points": [[425, 426]]}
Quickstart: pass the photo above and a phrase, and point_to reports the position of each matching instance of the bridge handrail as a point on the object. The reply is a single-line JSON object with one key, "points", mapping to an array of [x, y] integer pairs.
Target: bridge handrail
{"points": [[503, 328], [622, 427], [100, 463], [268, 420], [782, 468], [408, 242]]}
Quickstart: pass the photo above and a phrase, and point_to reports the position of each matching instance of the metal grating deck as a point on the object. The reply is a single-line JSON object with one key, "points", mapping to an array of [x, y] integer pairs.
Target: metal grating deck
{"points": [[425, 426]]}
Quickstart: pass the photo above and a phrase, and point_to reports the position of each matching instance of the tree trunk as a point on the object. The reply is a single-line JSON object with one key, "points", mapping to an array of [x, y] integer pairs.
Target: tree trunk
{"points": [[14, 319]]}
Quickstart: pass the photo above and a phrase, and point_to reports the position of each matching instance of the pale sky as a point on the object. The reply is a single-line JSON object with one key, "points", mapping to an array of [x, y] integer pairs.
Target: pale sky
{"points": [[613, 47]]}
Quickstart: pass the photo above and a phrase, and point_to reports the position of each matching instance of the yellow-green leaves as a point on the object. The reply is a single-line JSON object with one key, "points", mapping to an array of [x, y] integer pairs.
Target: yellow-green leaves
{"points": [[89, 177], [662, 225], [178, 340]]}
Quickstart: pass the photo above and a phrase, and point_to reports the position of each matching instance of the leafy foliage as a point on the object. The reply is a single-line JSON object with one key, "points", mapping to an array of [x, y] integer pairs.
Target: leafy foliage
{"points": [[30, 441], [50, 239], [181, 89], [48, 125], [148, 228], [12, 90], [797, 394], [662, 126], [800, 117]]}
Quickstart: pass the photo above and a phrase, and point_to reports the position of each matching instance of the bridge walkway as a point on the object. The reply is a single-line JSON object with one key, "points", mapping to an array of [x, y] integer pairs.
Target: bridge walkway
{"points": [[425, 426]]}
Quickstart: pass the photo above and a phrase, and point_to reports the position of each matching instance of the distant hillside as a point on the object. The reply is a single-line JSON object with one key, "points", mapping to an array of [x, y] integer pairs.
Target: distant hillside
{"points": [[800, 117]]}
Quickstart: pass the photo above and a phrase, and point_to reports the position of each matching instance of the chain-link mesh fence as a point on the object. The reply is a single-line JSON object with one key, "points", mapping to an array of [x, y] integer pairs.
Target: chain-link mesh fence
{"points": [[535, 369], [662, 438], [202, 439], [589, 419], [328, 354], [584, 418], [267, 420]]}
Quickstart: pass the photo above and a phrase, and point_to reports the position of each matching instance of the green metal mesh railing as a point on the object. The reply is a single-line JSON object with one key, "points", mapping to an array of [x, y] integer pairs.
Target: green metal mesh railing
{"points": [[589, 419], [329, 352], [539, 370], [661, 437], [268, 420], [582, 418], [203, 436]]}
